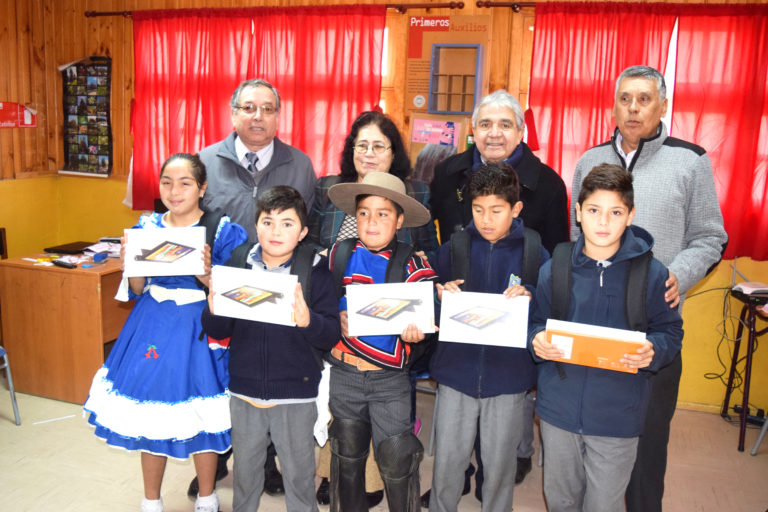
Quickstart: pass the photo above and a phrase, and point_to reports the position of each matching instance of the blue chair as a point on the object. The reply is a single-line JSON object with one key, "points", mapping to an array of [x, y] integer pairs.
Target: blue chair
{"points": [[4, 366]]}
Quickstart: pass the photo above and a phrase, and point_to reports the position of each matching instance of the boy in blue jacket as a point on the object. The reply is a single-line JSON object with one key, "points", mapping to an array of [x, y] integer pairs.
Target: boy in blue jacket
{"points": [[483, 385], [274, 369], [591, 417]]}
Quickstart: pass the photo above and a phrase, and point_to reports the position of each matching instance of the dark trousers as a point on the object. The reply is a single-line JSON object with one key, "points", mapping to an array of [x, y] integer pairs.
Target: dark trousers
{"points": [[646, 486]]}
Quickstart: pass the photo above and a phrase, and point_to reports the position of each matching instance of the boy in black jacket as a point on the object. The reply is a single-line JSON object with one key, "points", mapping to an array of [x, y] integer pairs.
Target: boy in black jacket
{"points": [[482, 387], [274, 369]]}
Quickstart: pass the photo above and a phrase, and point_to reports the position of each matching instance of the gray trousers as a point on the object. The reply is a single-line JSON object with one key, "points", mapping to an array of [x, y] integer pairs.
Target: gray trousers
{"points": [[290, 428], [500, 420], [525, 448], [381, 398], [586, 473]]}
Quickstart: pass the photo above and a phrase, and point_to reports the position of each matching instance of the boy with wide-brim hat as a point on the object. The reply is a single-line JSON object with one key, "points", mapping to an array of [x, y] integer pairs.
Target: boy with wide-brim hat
{"points": [[370, 387]]}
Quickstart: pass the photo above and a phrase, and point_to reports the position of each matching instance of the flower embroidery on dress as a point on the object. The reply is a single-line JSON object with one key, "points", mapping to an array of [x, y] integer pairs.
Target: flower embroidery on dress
{"points": [[151, 352]]}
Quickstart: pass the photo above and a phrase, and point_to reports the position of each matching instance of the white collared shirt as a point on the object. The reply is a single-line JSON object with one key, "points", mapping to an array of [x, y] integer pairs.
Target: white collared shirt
{"points": [[264, 154], [627, 156]]}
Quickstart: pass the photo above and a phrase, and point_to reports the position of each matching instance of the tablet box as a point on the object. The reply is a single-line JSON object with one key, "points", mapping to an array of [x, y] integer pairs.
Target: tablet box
{"points": [[591, 345]]}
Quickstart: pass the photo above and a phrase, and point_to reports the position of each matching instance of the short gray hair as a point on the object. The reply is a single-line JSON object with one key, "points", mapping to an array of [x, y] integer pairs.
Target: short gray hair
{"points": [[253, 82], [646, 72], [501, 98]]}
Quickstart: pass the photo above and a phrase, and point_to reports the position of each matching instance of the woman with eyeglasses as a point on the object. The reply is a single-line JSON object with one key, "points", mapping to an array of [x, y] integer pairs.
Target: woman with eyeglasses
{"points": [[374, 144]]}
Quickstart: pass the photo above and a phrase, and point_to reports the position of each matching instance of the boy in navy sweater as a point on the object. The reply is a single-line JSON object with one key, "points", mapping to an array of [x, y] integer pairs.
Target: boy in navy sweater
{"points": [[483, 385], [274, 370], [591, 417]]}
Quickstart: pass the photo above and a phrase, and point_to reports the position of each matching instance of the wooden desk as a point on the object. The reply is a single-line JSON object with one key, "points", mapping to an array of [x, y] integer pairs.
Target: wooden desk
{"points": [[55, 323]]}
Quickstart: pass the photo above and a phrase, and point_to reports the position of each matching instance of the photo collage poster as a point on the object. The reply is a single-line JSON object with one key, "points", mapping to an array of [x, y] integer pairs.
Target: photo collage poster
{"points": [[87, 127]]}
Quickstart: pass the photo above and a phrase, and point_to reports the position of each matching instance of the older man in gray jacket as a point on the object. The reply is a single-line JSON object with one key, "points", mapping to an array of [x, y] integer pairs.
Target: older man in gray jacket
{"points": [[252, 159], [676, 202]]}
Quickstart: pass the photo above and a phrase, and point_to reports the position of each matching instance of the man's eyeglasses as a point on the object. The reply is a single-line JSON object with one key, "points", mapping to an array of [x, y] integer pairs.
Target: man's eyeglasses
{"points": [[504, 125], [266, 110], [378, 148]]}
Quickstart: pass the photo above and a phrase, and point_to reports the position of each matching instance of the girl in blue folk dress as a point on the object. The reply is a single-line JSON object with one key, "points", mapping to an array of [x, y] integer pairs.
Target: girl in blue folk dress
{"points": [[162, 390]]}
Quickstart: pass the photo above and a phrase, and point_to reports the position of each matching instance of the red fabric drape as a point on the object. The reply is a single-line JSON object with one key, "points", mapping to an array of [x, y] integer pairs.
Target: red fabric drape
{"points": [[324, 61], [721, 104], [578, 51]]}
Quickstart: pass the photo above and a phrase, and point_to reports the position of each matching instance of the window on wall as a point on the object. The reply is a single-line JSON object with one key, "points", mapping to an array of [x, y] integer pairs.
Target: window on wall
{"points": [[324, 61]]}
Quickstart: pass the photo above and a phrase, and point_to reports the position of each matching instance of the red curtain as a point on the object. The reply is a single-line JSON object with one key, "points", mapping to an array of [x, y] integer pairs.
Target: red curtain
{"points": [[324, 61], [721, 104], [578, 51]]}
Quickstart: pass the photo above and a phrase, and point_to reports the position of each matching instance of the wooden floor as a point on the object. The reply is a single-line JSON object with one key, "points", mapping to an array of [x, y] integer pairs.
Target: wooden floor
{"points": [[53, 462]]}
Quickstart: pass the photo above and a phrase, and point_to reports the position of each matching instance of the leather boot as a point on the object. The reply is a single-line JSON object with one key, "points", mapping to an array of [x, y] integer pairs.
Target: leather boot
{"points": [[398, 459], [349, 448]]}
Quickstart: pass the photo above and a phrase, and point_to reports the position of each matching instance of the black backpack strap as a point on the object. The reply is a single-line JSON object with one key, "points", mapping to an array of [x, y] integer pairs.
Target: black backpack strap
{"points": [[561, 287], [210, 221], [303, 259], [397, 261], [341, 255], [239, 256], [531, 257], [303, 262], [460, 250], [561, 280], [637, 291]]}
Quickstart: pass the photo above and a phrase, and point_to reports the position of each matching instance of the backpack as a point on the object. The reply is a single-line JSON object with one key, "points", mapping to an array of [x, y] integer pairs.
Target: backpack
{"points": [[303, 260], [395, 268], [635, 291], [460, 251]]}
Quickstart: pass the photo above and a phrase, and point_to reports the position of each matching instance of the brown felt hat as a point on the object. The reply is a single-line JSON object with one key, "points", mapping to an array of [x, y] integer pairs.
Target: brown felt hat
{"points": [[383, 184]]}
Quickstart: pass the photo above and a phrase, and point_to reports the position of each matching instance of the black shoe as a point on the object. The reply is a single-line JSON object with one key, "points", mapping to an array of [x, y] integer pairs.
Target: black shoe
{"points": [[324, 492], [479, 494], [221, 472], [374, 498], [467, 486], [523, 468], [273, 482], [425, 499]]}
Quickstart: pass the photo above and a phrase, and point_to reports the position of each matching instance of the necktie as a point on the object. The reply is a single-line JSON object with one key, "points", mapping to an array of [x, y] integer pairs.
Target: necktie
{"points": [[252, 159]]}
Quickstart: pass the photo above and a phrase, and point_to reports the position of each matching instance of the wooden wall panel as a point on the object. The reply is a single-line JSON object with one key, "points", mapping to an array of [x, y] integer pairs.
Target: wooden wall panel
{"points": [[8, 49], [36, 36]]}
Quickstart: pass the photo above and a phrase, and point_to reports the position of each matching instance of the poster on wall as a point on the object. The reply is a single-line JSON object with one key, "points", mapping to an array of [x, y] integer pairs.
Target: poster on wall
{"points": [[87, 126], [428, 32], [433, 138]]}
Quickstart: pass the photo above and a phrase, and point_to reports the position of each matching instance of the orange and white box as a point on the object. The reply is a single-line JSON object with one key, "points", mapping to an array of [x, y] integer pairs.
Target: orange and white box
{"points": [[592, 345]]}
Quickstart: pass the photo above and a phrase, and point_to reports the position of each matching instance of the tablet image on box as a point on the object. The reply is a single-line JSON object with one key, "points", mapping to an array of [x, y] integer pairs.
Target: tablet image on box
{"points": [[386, 309], [479, 317], [251, 296], [166, 252]]}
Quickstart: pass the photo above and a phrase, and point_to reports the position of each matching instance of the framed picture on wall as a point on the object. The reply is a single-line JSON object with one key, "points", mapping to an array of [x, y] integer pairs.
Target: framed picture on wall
{"points": [[433, 138], [87, 127]]}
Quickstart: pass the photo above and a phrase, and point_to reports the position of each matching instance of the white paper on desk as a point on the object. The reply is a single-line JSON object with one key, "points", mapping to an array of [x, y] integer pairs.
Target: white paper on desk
{"points": [[484, 319], [253, 294], [389, 308], [164, 252]]}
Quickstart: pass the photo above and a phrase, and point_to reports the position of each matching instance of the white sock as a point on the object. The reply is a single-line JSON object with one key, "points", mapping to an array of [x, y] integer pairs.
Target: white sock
{"points": [[207, 503], [151, 505]]}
